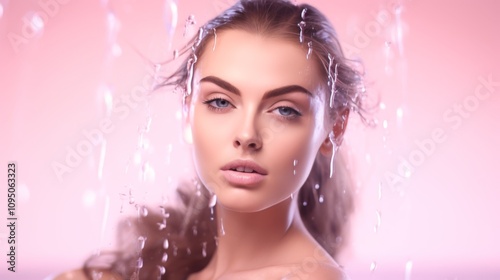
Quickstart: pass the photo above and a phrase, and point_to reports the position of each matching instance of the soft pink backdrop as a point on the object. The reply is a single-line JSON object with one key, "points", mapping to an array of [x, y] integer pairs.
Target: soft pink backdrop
{"points": [[436, 219]]}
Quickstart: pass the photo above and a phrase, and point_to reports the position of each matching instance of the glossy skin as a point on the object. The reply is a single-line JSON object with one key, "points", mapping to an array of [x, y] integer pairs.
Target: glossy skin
{"points": [[235, 112], [282, 133]]}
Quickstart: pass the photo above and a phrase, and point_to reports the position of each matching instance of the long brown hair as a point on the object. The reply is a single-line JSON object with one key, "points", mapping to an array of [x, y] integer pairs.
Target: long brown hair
{"points": [[188, 239]]}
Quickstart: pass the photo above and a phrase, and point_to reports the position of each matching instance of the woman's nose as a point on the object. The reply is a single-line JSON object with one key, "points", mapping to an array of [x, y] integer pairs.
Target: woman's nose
{"points": [[247, 136]]}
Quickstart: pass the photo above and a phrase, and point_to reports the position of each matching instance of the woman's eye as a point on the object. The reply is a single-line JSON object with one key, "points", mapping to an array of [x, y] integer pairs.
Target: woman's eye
{"points": [[217, 103], [287, 112]]}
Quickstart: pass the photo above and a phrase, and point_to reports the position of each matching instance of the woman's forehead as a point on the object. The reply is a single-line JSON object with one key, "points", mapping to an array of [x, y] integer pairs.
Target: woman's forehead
{"points": [[245, 58]]}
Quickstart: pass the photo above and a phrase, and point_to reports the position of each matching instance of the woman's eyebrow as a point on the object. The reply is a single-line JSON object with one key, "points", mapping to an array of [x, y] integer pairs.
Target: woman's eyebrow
{"points": [[269, 94]]}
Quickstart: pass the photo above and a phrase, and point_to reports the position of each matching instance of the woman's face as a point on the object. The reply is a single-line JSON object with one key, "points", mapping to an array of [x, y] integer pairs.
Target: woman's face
{"points": [[256, 99]]}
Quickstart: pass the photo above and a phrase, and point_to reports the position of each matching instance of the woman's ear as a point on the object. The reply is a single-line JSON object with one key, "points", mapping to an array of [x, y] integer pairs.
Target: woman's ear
{"points": [[336, 135]]}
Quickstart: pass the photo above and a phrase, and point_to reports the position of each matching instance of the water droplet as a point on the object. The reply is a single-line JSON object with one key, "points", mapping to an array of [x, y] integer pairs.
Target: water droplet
{"points": [[303, 14], [142, 241], [309, 50], [408, 268], [161, 269], [190, 66], [399, 113], [176, 54], [211, 213], [131, 199], [316, 186], [301, 25], [195, 230], [384, 124], [304, 203], [164, 258], [139, 263], [188, 251], [377, 225], [204, 249], [382, 106], [213, 201], [116, 50], [36, 23], [1, 10], [165, 244], [321, 198], [162, 225], [144, 211], [222, 231], [373, 266], [295, 162], [96, 275]]}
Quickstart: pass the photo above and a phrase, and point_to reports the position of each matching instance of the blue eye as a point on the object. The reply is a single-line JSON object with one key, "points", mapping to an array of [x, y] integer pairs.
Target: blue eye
{"points": [[288, 112], [217, 104]]}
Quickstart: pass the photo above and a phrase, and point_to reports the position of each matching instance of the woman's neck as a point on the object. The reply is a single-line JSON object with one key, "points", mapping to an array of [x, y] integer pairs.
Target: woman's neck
{"points": [[248, 240]]}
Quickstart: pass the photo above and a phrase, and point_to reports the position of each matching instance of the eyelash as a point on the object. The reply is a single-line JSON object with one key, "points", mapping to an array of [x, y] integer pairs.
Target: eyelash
{"points": [[294, 114]]}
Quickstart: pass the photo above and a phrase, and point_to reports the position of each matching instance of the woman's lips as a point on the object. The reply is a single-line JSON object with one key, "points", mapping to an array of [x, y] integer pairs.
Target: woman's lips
{"points": [[242, 178]]}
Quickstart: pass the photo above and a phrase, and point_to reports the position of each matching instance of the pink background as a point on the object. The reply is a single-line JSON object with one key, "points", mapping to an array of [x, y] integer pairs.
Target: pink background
{"points": [[425, 179]]}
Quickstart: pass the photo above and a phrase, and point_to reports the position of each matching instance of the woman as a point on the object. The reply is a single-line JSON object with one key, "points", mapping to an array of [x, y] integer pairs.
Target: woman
{"points": [[267, 94]]}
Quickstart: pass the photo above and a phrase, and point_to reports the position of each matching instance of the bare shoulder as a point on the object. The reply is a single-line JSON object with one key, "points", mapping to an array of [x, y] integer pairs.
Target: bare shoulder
{"points": [[78, 274], [324, 271]]}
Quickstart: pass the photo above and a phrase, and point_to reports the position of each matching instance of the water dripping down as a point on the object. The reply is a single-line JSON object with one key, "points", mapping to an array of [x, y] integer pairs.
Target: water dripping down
{"points": [[142, 242], [204, 249], [309, 49], [331, 136], [222, 230], [379, 219], [301, 25], [215, 39], [190, 21]]}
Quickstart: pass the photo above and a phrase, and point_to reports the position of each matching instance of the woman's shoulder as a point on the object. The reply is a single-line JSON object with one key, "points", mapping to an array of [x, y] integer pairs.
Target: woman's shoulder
{"points": [[320, 271], [79, 274]]}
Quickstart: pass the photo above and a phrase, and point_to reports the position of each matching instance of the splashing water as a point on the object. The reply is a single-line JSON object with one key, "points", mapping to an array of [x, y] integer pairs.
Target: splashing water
{"points": [[162, 225], [309, 50], [301, 25], [190, 21]]}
